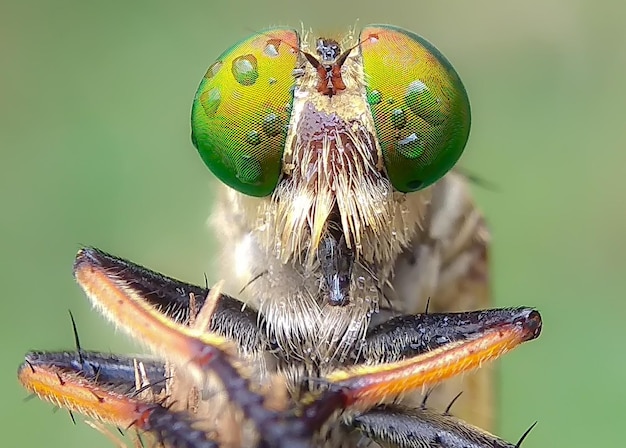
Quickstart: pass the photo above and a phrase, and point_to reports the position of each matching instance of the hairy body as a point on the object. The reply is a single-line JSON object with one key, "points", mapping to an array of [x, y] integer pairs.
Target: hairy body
{"points": [[442, 265]]}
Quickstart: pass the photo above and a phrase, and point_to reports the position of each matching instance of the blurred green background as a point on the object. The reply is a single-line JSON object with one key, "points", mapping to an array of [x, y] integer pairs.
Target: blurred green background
{"points": [[94, 138]]}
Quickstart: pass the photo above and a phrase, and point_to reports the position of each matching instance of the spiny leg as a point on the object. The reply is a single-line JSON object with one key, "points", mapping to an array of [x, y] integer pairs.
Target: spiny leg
{"points": [[108, 387], [133, 297], [422, 427], [198, 351], [114, 403], [407, 336], [372, 383], [172, 297], [434, 354], [106, 369], [436, 347]]}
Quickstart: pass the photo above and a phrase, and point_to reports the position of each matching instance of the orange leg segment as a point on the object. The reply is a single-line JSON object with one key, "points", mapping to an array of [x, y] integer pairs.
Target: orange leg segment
{"points": [[369, 385]]}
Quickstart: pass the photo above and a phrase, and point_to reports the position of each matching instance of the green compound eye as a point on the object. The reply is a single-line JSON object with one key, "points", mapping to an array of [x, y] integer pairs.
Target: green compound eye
{"points": [[420, 107], [242, 108]]}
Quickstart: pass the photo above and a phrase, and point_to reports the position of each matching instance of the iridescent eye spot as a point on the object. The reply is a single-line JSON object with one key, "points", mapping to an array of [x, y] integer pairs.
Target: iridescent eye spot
{"points": [[398, 118], [249, 170], [271, 48], [253, 138], [374, 97], [210, 101], [424, 103], [411, 147], [213, 69], [245, 69], [272, 125]]}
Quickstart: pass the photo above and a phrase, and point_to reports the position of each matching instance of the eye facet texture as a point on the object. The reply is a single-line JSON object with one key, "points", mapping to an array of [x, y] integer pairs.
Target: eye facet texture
{"points": [[420, 107], [242, 108]]}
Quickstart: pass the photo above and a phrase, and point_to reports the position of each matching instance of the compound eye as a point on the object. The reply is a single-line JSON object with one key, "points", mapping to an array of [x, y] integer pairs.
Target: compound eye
{"points": [[419, 105], [242, 108]]}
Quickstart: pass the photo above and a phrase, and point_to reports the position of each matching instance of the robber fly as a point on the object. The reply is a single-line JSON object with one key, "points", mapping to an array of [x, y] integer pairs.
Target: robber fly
{"points": [[357, 255]]}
